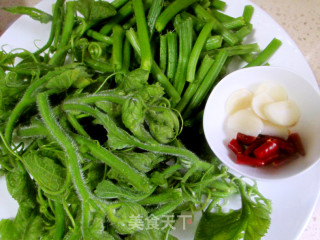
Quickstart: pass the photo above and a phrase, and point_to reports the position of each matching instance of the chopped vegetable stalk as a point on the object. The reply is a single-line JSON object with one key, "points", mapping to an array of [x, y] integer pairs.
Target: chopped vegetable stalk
{"points": [[205, 66], [172, 38], [117, 47], [185, 31], [207, 83], [154, 12], [125, 11], [155, 70], [143, 35], [175, 7], [248, 12], [195, 53], [266, 53], [163, 52], [219, 5], [213, 42]]}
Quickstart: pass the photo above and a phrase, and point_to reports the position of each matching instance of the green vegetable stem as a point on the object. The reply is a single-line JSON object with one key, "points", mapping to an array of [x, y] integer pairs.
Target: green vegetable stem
{"points": [[194, 56], [171, 11], [207, 83], [143, 35], [185, 28]]}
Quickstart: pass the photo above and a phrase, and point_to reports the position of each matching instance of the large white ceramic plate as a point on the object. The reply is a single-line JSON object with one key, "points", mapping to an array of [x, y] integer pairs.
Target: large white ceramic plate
{"points": [[293, 199]]}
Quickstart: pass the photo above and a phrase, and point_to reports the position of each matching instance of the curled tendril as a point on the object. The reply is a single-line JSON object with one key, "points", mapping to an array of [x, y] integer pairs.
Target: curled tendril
{"points": [[82, 27], [181, 121], [164, 102], [96, 50], [44, 206], [25, 51]]}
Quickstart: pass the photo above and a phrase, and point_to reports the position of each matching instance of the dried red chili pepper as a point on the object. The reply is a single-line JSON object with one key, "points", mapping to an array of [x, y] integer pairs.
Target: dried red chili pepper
{"points": [[257, 162], [235, 146], [264, 149], [258, 142], [295, 139], [267, 149], [245, 139], [286, 146]]}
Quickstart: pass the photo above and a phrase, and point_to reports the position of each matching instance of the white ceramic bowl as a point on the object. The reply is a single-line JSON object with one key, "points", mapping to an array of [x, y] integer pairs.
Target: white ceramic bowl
{"points": [[308, 127]]}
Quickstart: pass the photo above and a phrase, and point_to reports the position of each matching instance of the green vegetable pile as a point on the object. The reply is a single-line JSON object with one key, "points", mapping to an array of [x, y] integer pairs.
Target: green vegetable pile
{"points": [[101, 127]]}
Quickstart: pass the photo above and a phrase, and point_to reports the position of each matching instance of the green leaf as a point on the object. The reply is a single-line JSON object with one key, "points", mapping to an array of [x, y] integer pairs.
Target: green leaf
{"points": [[35, 229], [110, 108], [220, 226], [45, 171], [133, 115], [135, 80], [7, 229], [107, 189], [27, 225], [95, 10], [11, 90], [94, 175], [126, 218], [151, 93], [258, 220], [116, 141], [34, 13], [115, 175], [97, 228], [251, 222], [21, 187], [77, 77], [163, 124], [49, 235], [143, 162]]}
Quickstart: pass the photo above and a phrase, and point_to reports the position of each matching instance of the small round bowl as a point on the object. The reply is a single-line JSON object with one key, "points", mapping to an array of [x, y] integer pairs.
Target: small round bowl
{"points": [[308, 127]]}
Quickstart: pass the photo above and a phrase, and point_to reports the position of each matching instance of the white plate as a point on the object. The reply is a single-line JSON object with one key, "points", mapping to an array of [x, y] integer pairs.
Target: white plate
{"points": [[293, 199]]}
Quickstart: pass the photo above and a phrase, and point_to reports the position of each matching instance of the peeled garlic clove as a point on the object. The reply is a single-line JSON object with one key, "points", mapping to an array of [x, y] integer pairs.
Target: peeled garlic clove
{"points": [[246, 122], [258, 102], [273, 89], [283, 113], [239, 99], [275, 130]]}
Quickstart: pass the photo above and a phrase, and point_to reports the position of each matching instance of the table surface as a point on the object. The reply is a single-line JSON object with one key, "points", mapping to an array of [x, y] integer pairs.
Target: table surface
{"points": [[301, 21]]}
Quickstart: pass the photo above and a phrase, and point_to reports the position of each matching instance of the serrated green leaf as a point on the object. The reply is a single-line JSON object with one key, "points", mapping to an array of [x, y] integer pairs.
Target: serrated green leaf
{"points": [[126, 218], [21, 187], [95, 10], [251, 222], [143, 162], [97, 228], [107, 189], [77, 77], [27, 225], [163, 124], [34, 13], [133, 116], [45, 171], [134, 80], [116, 141]]}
